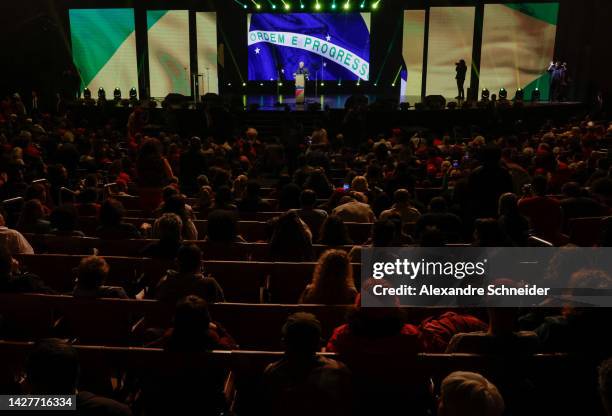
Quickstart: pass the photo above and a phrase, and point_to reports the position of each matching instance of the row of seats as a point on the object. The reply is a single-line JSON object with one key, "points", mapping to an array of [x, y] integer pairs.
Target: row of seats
{"points": [[52, 244], [424, 195], [250, 230], [242, 281], [126, 321], [585, 232], [244, 368]]}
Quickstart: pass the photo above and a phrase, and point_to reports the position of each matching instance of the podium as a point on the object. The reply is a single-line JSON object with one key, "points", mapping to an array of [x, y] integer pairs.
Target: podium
{"points": [[300, 83]]}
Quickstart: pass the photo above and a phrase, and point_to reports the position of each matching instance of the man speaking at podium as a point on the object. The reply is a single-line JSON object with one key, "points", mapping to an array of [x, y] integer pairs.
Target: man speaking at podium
{"points": [[301, 76], [302, 70]]}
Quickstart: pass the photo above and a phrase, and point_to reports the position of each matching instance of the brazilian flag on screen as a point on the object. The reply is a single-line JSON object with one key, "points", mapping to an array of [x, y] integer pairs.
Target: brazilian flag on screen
{"points": [[104, 48]]}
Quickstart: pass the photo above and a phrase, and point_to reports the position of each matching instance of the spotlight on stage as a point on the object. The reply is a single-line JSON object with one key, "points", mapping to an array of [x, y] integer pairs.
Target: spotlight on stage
{"points": [[485, 94], [362, 5], [117, 94], [333, 6], [535, 95], [503, 94], [520, 95], [87, 94], [257, 6], [317, 5], [287, 6], [347, 5], [101, 94], [273, 6], [375, 5]]}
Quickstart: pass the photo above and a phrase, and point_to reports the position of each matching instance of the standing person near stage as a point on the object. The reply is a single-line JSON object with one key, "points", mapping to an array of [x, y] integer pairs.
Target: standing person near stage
{"points": [[558, 79], [461, 69]]}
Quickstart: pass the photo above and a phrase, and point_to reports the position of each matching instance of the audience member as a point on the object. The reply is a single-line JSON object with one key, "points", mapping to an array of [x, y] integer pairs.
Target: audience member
{"points": [[188, 279], [168, 229], [32, 219], [91, 276], [302, 382], [291, 239], [334, 232], [332, 282], [52, 368], [469, 394], [112, 226]]}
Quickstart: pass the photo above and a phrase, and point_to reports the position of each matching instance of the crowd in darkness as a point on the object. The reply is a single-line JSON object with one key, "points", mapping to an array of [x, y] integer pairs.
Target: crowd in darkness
{"points": [[487, 188]]}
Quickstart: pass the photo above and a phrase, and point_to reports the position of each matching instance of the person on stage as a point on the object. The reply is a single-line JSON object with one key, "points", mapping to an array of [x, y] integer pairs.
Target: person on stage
{"points": [[302, 70], [558, 74], [461, 69]]}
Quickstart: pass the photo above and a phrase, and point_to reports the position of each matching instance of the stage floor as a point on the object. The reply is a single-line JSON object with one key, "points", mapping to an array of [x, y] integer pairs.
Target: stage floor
{"points": [[273, 102]]}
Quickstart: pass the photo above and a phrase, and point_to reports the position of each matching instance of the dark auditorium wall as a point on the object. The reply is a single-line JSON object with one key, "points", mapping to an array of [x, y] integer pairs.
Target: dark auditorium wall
{"points": [[36, 47]]}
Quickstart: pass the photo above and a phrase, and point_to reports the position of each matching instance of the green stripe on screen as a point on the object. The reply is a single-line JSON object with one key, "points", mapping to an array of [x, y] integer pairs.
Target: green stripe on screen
{"points": [[96, 35], [542, 83], [153, 17], [547, 12]]}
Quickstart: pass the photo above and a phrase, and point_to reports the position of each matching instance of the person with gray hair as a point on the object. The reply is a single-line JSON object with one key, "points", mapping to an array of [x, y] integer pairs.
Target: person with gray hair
{"points": [[464, 393]]}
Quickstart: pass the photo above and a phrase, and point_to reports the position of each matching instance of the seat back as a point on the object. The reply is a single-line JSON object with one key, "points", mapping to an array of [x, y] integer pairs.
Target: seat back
{"points": [[585, 232]]}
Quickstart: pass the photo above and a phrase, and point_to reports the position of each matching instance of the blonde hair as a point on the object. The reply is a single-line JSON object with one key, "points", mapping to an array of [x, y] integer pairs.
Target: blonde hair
{"points": [[333, 275], [464, 393]]}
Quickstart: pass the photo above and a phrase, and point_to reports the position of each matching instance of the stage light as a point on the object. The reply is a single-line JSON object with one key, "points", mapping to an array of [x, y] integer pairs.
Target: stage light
{"points": [[503, 94], [301, 5], [375, 84], [362, 5], [333, 6], [322, 84], [117, 93], [273, 6], [133, 93], [280, 84], [87, 94], [485, 94], [257, 6], [287, 6], [375, 5], [244, 84], [244, 6], [261, 84], [393, 84], [101, 94], [535, 95], [317, 6], [347, 5], [520, 95]]}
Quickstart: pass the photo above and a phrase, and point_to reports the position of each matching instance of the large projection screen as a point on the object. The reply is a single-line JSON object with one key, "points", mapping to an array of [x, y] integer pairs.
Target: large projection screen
{"points": [[333, 46], [451, 35], [518, 43], [206, 28], [168, 38], [412, 55], [104, 48]]}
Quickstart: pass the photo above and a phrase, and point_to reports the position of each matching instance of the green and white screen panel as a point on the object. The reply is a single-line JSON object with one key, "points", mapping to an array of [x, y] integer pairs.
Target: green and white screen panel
{"points": [[451, 35], [206, 29], [168, 39], [518, 44], [104, 48]]}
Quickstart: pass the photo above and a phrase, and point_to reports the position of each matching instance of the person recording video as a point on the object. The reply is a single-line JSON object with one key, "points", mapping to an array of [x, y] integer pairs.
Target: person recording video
{"points": [[461, 69]]}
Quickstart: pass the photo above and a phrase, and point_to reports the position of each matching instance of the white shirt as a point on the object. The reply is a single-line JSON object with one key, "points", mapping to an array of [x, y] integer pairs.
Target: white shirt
{"points": [[15, 242]]}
